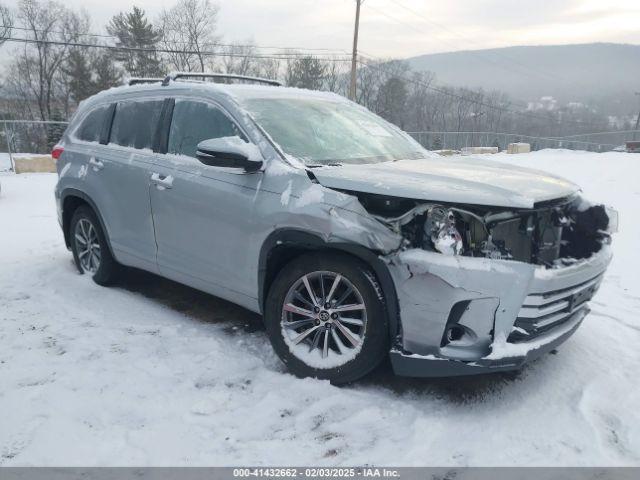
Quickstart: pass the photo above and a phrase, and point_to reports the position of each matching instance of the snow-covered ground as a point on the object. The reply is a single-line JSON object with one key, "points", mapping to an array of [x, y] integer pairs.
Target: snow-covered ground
{"points": [[153, 373]]}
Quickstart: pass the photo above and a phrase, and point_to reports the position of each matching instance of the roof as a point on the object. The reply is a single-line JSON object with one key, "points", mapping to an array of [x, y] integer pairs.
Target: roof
{"points": [[237, 92]]}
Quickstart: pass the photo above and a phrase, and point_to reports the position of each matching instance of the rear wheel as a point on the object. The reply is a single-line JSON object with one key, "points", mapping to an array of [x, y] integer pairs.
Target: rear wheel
{"points": [[326, 318], [89, 246]]}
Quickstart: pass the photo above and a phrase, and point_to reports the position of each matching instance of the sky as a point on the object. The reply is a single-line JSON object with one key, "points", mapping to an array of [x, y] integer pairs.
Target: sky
{"points": [[403, 28]]}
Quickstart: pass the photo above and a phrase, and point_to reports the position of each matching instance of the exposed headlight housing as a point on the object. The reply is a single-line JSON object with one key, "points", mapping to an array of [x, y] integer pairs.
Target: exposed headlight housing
{"points": [[441, 232]]}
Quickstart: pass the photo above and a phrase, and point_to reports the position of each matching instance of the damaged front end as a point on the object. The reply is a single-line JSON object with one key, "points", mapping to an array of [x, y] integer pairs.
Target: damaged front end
{"points": [[483, 288], [552, 234]]}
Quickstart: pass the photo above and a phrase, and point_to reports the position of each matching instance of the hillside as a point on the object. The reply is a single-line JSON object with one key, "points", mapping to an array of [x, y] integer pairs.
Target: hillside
{"points": [[593, 73]]}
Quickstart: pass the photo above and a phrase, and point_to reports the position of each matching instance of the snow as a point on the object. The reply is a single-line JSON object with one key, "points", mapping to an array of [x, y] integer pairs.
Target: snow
{"points": [[286, 194], [152, 373], [313, 194], [502, 349], [249, 150]]}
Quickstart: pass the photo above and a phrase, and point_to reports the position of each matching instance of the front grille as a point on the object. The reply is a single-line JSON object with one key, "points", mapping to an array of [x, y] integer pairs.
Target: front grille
{"points": [[542, 312]]}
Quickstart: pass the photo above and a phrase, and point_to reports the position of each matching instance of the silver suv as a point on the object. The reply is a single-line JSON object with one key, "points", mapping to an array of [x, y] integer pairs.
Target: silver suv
{"points": [[351, 240]]}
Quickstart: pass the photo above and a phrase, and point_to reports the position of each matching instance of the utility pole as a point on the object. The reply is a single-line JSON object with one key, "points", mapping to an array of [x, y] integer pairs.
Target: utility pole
{"points": [[354, 58], [637, 121]]}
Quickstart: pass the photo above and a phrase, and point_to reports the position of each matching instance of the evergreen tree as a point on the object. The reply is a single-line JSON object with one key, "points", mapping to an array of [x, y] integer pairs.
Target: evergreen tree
{"points": [[54, 131], [78, 72], [106, 73], [134, 31], [392, 99], [306, 72]]}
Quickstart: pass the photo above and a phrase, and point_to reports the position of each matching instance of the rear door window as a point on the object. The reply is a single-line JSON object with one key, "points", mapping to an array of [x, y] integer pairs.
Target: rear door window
{"points": [[91, 127], [193, 122], [135, 123]]}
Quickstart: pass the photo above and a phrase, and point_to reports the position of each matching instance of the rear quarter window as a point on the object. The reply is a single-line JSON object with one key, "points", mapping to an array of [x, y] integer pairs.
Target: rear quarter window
{"points": [[91, 127], [135, 123]]}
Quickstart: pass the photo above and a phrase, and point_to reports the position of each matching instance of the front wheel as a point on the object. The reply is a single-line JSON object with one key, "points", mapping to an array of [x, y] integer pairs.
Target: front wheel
{"points": [[89, 246], [326, 318]]}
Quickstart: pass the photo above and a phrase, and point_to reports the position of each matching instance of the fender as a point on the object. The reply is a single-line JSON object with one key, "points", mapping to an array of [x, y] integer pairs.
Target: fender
{"points": [[303, 240], [74, 192]]}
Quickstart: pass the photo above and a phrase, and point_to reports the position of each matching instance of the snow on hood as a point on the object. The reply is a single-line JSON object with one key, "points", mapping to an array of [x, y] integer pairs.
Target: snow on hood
{"points": [[467, 181]]}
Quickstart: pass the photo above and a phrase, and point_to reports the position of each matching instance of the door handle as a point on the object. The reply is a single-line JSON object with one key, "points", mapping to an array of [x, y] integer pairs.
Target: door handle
{"points": [[96, 164], [162, 181]]}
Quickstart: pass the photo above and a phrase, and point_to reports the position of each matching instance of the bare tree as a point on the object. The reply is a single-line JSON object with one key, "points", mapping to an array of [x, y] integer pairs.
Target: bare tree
{"points": [[6, 23], [34, 73], [336, 77], [421, 109], [269, 67], [368, 80], [189, 33], [240, 59]]}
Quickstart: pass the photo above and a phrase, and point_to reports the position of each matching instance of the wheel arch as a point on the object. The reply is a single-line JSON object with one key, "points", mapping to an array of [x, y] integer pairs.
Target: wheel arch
{"points": [[71, 199], [284, 245]]}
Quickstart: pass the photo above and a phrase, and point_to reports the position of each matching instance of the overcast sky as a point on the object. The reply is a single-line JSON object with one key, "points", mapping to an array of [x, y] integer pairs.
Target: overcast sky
{"points": [[402, 28]]}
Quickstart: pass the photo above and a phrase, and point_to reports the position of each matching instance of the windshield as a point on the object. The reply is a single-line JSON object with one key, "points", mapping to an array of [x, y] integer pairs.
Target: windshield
{"points": [[322, 132]]}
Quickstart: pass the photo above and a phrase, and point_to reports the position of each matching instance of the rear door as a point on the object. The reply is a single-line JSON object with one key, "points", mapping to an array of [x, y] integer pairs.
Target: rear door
{"points": [[202, 215], [123, 167]]}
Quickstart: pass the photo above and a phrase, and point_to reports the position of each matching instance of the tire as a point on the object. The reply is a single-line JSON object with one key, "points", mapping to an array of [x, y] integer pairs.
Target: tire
{"points": [[96, 261], [318, 353]]}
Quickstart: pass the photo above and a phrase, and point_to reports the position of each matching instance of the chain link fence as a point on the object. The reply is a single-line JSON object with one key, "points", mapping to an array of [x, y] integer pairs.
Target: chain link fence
{"points": [[20, 137], [594, 142]]}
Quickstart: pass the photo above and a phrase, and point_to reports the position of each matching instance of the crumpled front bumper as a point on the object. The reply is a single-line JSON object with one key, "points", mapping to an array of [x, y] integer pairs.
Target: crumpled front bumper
{"points": [[510, 312]]}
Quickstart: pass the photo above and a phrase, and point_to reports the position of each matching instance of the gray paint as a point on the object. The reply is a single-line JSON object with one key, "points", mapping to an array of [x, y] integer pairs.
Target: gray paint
{"points": [[450, 180], [429, 284]]}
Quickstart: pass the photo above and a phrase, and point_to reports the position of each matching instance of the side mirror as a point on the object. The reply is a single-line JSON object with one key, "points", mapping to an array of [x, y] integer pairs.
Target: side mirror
{"points": [[229, 152]]}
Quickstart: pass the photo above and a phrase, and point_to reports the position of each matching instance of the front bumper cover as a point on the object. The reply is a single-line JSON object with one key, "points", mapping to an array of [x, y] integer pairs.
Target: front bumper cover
{"points": [[496, 295], [411, 365]]}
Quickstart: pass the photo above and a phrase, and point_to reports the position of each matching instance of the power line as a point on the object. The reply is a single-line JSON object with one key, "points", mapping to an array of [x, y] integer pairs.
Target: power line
{"points": [[484, 53], [493, 61], [380, 60], [466, 39], [174, 42], [278, 56]]}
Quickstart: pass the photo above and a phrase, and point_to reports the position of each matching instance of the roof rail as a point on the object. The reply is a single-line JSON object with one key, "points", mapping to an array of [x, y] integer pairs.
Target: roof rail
{"points": [[141, 80], [223, 77]]}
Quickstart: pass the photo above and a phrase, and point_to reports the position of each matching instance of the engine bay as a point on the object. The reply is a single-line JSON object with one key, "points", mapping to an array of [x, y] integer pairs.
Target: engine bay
{"points": [[553, 234]]}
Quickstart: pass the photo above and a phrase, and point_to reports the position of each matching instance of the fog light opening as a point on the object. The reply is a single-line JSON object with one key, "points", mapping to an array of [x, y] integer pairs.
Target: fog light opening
{"points": [[455, 333]]}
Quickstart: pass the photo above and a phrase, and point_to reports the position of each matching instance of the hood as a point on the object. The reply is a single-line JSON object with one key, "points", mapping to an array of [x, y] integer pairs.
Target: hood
{"points": [[447, 180]]}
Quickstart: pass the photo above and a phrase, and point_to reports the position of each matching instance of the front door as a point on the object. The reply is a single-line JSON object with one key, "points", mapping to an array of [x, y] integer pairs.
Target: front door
{"points": [[201, 214]]}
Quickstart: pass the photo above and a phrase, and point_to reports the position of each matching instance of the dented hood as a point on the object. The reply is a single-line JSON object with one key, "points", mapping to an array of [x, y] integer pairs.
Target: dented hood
{"points": [[459, 180]]}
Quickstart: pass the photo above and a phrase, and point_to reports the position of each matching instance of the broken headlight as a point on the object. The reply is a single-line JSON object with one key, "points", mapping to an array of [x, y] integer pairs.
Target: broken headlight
{"points": [[441, 233]]}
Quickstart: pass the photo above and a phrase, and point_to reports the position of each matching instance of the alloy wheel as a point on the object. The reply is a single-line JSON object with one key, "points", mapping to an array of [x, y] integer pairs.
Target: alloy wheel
{"points": [[324, 319], [87, 246]]}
